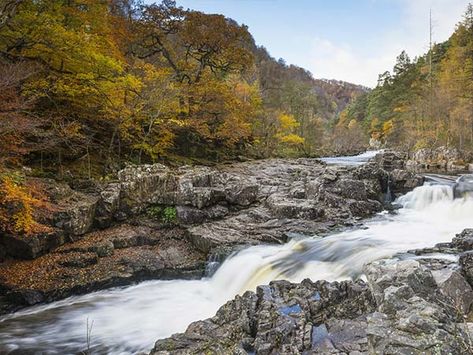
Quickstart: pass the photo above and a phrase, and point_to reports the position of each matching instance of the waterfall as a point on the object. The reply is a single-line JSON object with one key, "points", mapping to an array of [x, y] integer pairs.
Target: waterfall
{"points": [[424, 196]]}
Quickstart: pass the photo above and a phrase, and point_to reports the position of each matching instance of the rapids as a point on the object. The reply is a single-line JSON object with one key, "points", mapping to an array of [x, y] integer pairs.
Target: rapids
{"points": [[128, 320], [352, 160]]}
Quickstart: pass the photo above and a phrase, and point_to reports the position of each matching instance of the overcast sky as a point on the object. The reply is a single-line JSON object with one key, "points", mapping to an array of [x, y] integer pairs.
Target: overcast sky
{"points": [[351, 40]]}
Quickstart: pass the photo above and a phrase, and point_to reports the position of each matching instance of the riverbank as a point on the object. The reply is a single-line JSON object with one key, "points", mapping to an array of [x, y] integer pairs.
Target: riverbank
{"points": [[217, 210], [129, 319]]}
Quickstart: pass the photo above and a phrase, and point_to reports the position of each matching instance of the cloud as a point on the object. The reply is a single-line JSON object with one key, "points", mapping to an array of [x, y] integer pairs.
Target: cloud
{"points": [[357, 64]]}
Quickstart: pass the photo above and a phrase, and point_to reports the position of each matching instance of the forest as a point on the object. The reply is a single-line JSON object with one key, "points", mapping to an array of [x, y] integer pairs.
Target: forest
{"points": [[89, 86], [424, 102]]}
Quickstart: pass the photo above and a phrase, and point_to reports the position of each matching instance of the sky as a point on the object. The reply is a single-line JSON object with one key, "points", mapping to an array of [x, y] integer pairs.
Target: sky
{"points": [[350, 40]]}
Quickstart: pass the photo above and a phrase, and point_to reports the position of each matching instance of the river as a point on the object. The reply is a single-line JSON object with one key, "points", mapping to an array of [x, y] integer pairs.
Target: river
{"points": [[128, 320]]}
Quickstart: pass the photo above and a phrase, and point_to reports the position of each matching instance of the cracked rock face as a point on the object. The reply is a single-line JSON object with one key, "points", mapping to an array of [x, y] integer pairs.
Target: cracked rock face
{"points": [[282, 318], [218, 210], [414, 307], [305, 194]]}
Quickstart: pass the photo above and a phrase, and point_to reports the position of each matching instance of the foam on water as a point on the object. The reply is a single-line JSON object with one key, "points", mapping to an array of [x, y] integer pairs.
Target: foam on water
{"points": [[352, 160]]}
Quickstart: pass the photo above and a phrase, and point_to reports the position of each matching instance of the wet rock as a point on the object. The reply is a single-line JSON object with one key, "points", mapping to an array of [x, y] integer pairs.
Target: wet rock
{"points": [[282, 318], [463, 186], [26, 297], [453, 285], [464, 240], [403, 181], [466, 263]]}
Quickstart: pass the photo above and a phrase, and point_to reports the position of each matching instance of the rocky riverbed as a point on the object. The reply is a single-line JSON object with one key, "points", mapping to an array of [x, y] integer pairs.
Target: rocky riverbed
{"points": [[405, 306], [116, 233]]}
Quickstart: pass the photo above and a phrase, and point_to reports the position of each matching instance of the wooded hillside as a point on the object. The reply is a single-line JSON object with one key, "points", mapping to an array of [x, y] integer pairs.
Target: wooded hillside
{"points": [[87, 86], [425, 102]]}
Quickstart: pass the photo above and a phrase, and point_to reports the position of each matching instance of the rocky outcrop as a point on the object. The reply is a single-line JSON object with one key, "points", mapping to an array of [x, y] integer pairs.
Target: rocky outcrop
{"points": [[412, 316], [463, 186], [210, 211], [72, 217], [441, 158], [282, 318], [390, 160], [271, 196], [406, 306], [117, 256]]}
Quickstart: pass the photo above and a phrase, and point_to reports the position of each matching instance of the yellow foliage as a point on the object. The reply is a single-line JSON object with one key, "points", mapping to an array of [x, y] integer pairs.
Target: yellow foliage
{"points": [[285, 134], [353, 124], [388, 127], [292, 139], [287, 122], [18, 204]]}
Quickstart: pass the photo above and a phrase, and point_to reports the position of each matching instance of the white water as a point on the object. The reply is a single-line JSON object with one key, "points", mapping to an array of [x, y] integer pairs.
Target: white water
{"points": [[128, 320], [353, 160]]}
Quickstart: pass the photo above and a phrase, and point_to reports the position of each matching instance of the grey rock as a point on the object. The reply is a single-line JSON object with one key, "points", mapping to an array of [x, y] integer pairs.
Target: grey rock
{"points": [[402, 181], [282, 318], [412, 315], [464, 240], [440, 158], [463, 186], [108, 205], [453, 285], [466, 263]]}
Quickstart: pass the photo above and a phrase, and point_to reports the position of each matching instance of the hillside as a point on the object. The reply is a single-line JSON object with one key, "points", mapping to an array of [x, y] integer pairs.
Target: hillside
{"points": [[425, 102], [87, 87]]}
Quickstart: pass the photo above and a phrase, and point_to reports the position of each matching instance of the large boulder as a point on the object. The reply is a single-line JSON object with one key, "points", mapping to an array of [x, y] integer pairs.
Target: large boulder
{"points": [[413, 317], [282, 318], [466, 263], [389, 160], [31, 246], [454, 286], [464, 240], [72, 216], [78, 218], [463, 186], [403, 181]]}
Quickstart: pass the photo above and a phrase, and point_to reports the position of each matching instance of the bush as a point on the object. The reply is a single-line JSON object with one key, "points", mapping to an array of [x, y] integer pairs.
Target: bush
{"points": [[166, 215], [169, 215], [21, 205]]}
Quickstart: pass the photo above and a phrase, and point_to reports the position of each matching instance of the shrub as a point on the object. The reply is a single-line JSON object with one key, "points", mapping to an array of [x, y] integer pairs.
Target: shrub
{"points": [[167, 215], [21, 205]]}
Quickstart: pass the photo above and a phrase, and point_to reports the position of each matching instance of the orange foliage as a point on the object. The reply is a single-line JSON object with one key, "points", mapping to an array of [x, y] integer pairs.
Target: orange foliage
{"points": [[21, 204]]}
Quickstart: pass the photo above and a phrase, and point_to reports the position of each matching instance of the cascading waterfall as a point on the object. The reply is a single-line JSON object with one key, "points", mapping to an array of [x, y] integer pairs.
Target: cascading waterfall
{"points": [[426, 195], [128, 320]]}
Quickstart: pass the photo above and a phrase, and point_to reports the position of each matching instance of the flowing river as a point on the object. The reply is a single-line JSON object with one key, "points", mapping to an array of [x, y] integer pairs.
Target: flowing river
{"points": [[128, 320]]}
